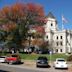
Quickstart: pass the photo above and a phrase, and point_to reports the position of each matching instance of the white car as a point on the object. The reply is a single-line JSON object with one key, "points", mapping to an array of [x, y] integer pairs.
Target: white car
{"points": [[2, 59], [60, 63]]}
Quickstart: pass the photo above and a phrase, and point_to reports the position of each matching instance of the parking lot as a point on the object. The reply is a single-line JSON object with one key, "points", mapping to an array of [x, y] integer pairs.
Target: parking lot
{"points": [[30, 65]]}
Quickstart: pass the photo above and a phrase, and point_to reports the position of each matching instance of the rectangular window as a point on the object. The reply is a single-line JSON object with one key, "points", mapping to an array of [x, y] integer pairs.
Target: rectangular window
{"points": [[61, 37], [60, 50], [56, 50], [57, 43], [61, 43]]}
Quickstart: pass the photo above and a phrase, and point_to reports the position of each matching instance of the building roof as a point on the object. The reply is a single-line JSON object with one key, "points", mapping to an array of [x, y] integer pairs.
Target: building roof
{"points": [[50, 15]]}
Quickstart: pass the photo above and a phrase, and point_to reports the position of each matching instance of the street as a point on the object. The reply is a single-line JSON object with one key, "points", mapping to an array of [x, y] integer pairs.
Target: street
{"points": [[22, 68]]}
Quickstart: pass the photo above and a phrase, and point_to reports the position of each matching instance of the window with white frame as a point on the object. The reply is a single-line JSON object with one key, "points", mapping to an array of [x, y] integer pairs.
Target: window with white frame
{"points": [[61, 43], [56, 50], [47, 36], [57, 37], [51, 24], [61, 37], [57, 43], [60, 50]]}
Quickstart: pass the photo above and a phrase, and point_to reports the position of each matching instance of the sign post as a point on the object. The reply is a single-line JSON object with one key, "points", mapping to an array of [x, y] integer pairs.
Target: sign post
{"points": [[50, 56]]}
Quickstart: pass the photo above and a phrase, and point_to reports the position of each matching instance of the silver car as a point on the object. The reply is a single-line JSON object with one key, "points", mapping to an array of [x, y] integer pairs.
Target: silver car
{"points": [[2, 59]]}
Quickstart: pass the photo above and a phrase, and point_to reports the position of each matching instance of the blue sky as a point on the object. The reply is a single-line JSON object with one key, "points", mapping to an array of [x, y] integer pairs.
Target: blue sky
{"points": [[57, 7]]}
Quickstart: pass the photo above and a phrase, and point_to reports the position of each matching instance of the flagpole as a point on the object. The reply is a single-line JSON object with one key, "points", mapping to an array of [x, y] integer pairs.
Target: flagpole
{"points": [[62, 23], [70, 40]]}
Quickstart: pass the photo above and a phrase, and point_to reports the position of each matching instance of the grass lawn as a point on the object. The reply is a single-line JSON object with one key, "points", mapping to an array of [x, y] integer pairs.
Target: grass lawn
{"points": [[35, 56]]}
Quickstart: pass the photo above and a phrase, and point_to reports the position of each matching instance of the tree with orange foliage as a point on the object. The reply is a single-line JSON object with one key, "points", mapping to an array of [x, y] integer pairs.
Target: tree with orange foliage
{"points": [[16, 19]]}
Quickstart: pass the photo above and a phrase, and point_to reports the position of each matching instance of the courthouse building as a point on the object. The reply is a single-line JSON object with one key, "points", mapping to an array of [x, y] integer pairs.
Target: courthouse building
{"points": [[60, 41]]}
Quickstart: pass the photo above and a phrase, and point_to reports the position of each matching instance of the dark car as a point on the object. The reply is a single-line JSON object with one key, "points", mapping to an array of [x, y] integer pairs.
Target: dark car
{"points": [[42, 62]]}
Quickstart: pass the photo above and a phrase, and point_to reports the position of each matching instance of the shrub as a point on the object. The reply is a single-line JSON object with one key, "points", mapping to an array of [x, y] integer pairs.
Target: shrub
{"points": [[69, 58]]}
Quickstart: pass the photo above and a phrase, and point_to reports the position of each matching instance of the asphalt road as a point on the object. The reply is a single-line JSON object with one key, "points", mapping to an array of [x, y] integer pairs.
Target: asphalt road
{"points": [[13, 69], [16, 69], [19, 68]]}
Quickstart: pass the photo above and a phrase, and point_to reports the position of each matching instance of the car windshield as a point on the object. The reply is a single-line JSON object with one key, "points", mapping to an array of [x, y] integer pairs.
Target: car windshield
{"points": [[61, 60], [14, 55], [42, 58], [2, 57]]}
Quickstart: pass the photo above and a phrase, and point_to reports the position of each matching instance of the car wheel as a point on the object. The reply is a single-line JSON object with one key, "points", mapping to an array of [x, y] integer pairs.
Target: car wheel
{"points": [[10, 63], [55, 68], [66, 68], [37, 66], [7, 62]]}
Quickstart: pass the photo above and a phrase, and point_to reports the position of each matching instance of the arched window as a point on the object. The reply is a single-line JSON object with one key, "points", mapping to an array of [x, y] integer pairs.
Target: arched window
{"points": [[61, 37], [51, 24], [57, 37], [47, 36]]}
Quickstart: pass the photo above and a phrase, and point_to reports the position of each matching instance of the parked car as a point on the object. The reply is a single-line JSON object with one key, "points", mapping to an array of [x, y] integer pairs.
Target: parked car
{"points": [[41, 51], [42, 62], [27, 50], [13, 58], [2, 59], [60, 63]]}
